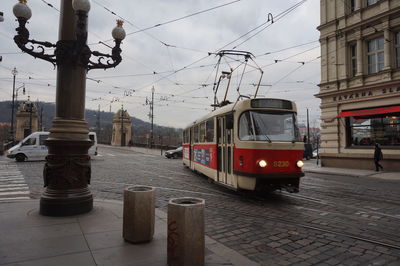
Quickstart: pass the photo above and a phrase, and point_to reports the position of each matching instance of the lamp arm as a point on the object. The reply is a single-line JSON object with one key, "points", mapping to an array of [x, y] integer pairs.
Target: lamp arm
{"points": [[29, 45], [113, 60]]}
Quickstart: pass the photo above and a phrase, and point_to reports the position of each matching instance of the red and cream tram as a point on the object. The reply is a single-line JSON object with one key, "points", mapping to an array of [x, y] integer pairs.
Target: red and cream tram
{"points": [[253, 144]]}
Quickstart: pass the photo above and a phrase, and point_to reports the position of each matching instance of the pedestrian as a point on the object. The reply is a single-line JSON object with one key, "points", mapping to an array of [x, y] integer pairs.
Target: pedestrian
{"points": [[378, 155]]}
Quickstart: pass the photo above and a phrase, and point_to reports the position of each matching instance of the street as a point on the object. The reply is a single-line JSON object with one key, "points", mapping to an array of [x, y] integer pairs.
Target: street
{"points": [[332, 220]]}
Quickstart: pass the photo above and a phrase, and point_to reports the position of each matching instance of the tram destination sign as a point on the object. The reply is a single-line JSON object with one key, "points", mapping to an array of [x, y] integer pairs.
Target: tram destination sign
{"points": [[271, 103]]}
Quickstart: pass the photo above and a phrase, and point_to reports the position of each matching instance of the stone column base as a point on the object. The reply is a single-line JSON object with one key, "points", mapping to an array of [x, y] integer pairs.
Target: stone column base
{"points": [[66, 174], [66, 202]]}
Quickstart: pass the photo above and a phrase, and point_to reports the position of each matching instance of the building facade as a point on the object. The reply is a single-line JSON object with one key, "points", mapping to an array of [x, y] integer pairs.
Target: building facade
{"points": [[122, 129], [360, 82]]}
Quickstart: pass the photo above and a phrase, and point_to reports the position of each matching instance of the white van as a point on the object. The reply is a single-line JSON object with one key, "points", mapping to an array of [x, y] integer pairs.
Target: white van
{"points": [[32, 147]]}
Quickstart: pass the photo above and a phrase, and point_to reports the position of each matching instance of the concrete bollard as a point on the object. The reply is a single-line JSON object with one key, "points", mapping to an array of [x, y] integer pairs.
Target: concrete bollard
{"points": [[186, 232], [138, 215]]}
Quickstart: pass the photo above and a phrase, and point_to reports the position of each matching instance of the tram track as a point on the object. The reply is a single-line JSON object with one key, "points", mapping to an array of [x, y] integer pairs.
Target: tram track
{"points": [[334, 204], [348, 194], [388, 236]]}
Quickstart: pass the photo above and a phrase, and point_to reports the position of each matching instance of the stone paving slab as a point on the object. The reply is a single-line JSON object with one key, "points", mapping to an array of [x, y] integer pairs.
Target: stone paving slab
{"points": [[94, 238]]}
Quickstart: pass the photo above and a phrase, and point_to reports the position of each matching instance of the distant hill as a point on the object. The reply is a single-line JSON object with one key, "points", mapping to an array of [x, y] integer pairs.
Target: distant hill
{"points": [[139, 127]]}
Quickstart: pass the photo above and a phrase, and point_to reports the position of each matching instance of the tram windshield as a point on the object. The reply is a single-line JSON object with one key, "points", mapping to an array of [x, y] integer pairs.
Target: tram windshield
{"points": [[268, 126]]}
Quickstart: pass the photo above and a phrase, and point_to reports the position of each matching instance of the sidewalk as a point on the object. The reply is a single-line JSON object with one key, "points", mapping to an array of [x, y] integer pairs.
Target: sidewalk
{"points": [[312, 167], [95, 238]]}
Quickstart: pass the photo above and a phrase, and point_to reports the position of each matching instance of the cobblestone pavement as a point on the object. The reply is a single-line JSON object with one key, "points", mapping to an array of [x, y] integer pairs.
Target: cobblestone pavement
{"points": [[334, 220]]}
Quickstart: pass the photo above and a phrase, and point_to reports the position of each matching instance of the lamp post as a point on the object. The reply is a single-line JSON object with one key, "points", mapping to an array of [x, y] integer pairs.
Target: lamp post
{"points": [[122, 127], [67, 171], [14, 72], [16, 93], [29, 106]]}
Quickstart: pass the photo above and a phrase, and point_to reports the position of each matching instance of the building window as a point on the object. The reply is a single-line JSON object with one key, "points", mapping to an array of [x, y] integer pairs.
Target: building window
{"points": [[352, 5], [375, 55], [353, 60], [397, 47], [371, 2], [383, 129]]}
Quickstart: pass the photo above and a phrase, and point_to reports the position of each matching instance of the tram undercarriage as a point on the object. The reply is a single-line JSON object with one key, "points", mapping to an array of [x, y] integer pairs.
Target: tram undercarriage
{"points": [[268, 185]]}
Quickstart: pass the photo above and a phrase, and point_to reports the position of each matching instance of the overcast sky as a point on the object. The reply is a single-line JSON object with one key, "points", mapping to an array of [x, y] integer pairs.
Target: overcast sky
{"points": [[168, 56]]}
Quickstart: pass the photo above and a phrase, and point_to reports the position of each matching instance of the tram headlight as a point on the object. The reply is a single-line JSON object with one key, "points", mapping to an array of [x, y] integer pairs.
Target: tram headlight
{"points": [[262, 163], [300, 164]]}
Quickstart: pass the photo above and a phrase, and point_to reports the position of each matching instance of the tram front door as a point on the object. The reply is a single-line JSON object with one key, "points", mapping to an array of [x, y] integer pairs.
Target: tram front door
{"points": [[225, 149]]}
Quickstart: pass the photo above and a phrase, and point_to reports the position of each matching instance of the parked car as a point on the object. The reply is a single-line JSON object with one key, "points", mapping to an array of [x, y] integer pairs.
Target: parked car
{"points": [[315, 153], [177, 153], [32, 147]]}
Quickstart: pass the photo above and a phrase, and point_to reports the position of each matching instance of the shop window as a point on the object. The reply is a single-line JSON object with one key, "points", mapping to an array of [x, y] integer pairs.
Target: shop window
{"points": [[397, 47], [353, 60], [210, 130], [375, 55], [365, 131]]}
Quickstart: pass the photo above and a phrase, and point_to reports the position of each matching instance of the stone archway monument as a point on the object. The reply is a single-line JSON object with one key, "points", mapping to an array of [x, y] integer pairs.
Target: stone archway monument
{"points": [[122, 128], [27, 120]]}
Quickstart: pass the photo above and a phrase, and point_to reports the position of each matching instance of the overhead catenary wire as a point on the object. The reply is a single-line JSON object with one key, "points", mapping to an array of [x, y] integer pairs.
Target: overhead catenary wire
{"points": [[172, 72], [172, 20]]}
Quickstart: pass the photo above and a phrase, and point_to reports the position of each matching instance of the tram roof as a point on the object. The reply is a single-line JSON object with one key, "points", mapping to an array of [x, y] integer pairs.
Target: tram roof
{"points": [[243, 104]]}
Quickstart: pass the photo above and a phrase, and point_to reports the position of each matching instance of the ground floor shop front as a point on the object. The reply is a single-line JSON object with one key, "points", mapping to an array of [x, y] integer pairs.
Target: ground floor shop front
{"points": [[353, 120]]}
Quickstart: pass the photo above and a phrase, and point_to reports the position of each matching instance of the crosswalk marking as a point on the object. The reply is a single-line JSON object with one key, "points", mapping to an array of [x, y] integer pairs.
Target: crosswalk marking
{"points": [[13, 193], [13, 188], [12, 183]]}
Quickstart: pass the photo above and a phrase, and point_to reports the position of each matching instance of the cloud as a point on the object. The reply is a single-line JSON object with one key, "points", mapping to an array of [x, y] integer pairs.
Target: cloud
{"points": [[189, 40]]}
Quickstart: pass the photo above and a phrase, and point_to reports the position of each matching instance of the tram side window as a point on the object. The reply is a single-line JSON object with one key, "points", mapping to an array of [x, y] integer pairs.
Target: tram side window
{"points": [[196, 134], [210, 130], [186, 136], [202, 132]]}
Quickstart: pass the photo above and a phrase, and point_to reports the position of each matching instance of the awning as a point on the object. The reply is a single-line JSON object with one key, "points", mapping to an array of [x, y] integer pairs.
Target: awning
{"points": [[372, 111]]}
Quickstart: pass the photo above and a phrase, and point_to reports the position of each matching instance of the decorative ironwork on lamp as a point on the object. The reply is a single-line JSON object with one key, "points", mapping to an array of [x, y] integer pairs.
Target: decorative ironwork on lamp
{"points": [[75, 51]]}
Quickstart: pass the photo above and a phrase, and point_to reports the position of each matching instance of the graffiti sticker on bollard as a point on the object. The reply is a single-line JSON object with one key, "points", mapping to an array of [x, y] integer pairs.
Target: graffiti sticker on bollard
{"points": [[185, 241]]}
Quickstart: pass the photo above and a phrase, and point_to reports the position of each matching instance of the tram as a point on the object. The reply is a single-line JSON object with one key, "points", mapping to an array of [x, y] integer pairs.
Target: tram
{"points": [[252, 144]]}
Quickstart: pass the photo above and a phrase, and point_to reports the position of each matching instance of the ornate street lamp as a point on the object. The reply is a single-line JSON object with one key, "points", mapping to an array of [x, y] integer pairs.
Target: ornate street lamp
{"points": [[67, 170]]}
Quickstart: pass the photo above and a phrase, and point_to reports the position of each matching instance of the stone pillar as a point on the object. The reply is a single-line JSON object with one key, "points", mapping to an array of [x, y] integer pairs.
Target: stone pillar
{"points": [[186, 232], [139, 214], [360, 58], [122, 128], [358, 4], [387, 49], [67, 170]]}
